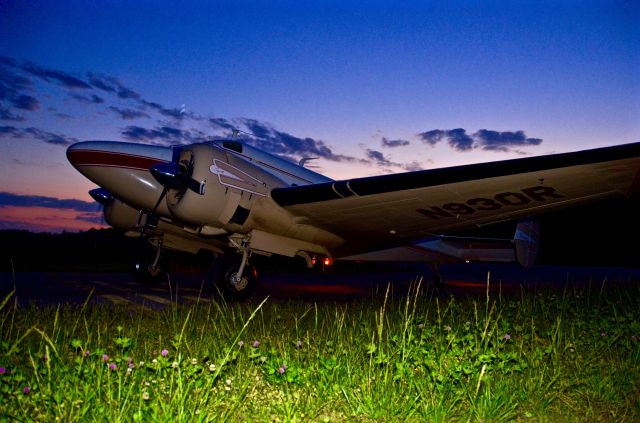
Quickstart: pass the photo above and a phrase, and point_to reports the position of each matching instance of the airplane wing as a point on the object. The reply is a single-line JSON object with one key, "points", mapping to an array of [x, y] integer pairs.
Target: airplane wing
{"points": [[382, 212]]}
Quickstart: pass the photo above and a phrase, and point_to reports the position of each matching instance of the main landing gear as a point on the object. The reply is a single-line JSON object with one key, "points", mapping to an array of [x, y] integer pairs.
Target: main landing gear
{"points": [[232, 276]]}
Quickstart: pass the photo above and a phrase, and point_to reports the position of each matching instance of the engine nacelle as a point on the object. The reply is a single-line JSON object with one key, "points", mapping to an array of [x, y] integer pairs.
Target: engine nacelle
{"points": [[121, 216], [221, 191]]}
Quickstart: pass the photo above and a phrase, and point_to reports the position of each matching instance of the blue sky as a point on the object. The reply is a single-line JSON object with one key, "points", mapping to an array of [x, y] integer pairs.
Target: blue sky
{"points": [[371, 87]]}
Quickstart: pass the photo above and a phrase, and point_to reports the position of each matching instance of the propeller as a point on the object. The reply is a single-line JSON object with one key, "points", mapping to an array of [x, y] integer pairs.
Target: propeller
{"points": [[176, 176], [101, 196]]}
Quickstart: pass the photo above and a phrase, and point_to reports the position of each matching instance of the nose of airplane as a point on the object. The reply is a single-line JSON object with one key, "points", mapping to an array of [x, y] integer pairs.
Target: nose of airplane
{"points": [[116, 154], [122, 169]]}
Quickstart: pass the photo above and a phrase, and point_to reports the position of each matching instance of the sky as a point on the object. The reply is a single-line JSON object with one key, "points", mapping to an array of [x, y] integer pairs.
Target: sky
{"points": [[369, 87]]}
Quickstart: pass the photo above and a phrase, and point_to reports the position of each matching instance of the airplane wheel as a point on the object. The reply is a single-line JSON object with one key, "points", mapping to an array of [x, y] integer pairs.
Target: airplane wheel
{"points": [[223, 276], [145, 273]]}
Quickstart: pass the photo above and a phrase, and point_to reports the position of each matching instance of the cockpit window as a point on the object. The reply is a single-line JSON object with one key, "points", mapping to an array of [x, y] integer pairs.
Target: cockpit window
{"points": [[233, 145]]}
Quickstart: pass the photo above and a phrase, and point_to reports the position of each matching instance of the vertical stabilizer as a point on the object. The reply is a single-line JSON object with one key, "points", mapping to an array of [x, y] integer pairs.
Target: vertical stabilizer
{"points": [[526, 242]]}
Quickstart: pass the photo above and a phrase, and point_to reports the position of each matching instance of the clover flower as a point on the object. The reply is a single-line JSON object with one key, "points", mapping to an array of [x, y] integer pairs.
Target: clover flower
{"points": [[3, 370], [299, 344], [241, 343], [447, 328], [603, 334], [256, 344], [145, 396], [282, 369], [131, 366], [175, 364], [112, 366], [86, 353], [26, 390], [164, 352], [507, 336], [194, 361], [212, 367], [105, 358]]}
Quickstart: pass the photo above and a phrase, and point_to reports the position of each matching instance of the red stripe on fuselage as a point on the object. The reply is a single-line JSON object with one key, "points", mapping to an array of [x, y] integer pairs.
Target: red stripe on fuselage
{"points": [[112, 159]]}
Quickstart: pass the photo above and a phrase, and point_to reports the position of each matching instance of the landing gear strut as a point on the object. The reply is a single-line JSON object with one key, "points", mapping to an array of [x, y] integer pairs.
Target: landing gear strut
{"points": [[233, 276]]}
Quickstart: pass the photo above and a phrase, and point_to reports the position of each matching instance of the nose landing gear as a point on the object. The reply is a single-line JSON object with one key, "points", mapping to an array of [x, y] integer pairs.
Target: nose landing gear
{"points": [[148, 269]]}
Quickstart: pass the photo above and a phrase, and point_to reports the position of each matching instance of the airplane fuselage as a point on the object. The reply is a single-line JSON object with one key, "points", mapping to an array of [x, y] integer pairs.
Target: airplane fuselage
{"points": [[232, 180]]}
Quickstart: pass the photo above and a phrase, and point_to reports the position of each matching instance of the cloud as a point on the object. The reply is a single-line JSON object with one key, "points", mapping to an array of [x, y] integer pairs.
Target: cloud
{"points": [[11, 85], [394, 143], [485, 139], [6, 115], [10, 131], [163, 135], [175, 113], [35, 133], [49, 137], [128, 114], [12, 88], [91, 99], [503, 141], [432, 137], [378, 158], [7, 61], [266, 137], [222, 123], [111, 85], [459, 140], [25, 102], [9, 199], [95, 217], [413, 166], [51, 75]]}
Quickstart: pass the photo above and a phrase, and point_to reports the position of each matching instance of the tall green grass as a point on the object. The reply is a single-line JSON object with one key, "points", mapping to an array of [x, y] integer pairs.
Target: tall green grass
{"points": [[540, 355]]}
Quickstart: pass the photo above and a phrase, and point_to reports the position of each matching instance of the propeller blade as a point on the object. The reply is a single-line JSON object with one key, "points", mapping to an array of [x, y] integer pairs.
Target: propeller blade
{"points": [[169, 175]]}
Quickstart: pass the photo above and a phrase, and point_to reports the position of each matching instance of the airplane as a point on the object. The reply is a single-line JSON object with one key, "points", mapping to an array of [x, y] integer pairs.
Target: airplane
{"points": [[235, 201]]}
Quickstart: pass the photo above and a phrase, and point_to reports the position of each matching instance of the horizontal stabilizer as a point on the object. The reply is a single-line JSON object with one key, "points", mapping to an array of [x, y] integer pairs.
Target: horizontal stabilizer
{"points": [[523, 249]]}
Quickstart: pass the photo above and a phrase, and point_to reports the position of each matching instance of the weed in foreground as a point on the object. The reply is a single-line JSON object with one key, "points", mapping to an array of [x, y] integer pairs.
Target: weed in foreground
{"points": [[542, 355]]}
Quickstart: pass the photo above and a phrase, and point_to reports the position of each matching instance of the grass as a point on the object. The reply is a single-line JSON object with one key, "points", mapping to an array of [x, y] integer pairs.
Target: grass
{"points": [[562, 355]]}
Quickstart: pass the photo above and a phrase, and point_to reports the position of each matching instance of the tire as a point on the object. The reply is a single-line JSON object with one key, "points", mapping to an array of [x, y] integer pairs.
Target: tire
{"points": [[146, 274], [221, 274]]}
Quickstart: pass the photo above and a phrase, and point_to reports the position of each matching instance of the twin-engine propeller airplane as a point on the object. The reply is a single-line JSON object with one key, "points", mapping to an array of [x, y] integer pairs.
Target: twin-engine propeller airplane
{"points": [[235, 200]]}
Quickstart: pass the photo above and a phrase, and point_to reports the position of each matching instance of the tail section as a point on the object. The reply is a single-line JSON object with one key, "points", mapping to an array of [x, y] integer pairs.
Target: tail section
{"points": [[526, 242]]}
